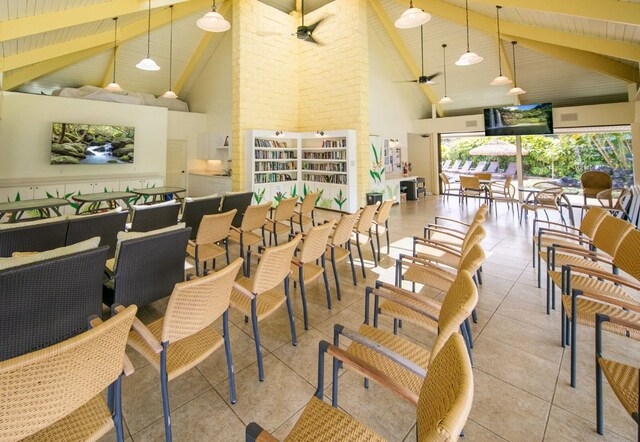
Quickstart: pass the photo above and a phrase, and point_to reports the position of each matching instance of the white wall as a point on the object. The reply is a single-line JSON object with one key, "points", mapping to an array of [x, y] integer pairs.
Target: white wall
{"points": [[25, 137], [393, 107], [187, 126]]}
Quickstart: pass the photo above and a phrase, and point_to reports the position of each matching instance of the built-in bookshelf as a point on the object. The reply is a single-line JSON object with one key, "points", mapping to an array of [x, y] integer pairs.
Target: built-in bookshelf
{"points": [[296, 163]]}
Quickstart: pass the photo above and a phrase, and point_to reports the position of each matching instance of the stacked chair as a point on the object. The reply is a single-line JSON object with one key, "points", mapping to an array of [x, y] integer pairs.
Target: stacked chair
{"points": [[304, 269]]}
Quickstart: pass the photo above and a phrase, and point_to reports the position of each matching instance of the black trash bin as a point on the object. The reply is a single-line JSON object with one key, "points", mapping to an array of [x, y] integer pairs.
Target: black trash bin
{"points": [[411, 191], [374, 197]]}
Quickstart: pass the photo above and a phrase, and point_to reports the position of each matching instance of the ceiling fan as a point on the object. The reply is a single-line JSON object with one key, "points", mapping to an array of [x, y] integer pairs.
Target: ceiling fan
{"points": [[422, 79], [306, 32]]}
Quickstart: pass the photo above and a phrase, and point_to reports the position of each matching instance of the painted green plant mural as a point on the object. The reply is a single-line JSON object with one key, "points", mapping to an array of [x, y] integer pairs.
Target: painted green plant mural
{"points": [[340, 199], [324, 203], [294, 191], [259, 195], [280, 196], [377, 166], [307, 190]]}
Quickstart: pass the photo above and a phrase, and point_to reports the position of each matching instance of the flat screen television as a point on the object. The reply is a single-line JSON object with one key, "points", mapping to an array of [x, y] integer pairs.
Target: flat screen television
{"points": [[527, 119], [73, 143]]}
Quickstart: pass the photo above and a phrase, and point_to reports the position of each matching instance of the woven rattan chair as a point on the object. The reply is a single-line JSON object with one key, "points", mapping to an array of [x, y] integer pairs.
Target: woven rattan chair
{"points": [[545, 200], [304, 212], [196, 208], [594, 182], [32, 237], [281, 222], [442, 232], [254, 219], [588, 291], [213, 229], [381, 224], [46, 302], [304, 269], [239, 201], [442, 405], [447, 185], [104, 225], [483, 175], [442, 319], [147, 218], [55, 393], [361, 234], [607, 239], [339, 247], [470, 187], [623, 378], [503, 192], [261, 295], [185, 336]]}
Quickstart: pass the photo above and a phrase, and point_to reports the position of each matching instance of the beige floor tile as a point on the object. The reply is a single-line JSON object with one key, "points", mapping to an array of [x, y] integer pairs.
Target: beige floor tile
{"points": [[477, 433], [205, 418], [516, 367], [271, 402], [508, 411], [274, 330], [142, 399], [530, 313], [567, 427], [376, 407], [284, 429]]}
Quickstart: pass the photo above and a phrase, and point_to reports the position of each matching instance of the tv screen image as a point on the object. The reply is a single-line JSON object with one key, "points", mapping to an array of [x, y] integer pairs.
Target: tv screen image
{"points": [[73, 143], [528, 119]]}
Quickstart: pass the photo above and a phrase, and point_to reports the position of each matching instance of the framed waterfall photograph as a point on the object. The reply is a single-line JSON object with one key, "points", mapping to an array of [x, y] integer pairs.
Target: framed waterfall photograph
{"points": [[73, 143]]}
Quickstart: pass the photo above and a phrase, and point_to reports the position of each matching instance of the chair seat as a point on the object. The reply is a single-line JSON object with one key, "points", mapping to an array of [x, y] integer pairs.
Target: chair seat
{"points": [[279, 227], [305, 219], [438, 256], [266, 303], [206, 252], [623, 379], [562, 259], [445, 239], [425, 276], [592, 285], [587, 310], [320, 422], [110, 264], [593, 191], [248, 238], [340, 253], [547, 241], [89, 422], [395, 310], [379, 227], [182, 355], [310, 272], [404, 347], [361, 238]]}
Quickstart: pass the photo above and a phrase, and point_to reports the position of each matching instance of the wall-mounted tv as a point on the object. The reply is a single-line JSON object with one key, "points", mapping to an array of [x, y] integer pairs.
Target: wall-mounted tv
{"points": [[73, 143], [527, 119]]}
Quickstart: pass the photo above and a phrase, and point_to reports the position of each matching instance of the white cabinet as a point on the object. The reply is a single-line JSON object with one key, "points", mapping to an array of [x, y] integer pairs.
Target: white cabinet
{"points": [[129, 185], [213, 146], [202, 185]]}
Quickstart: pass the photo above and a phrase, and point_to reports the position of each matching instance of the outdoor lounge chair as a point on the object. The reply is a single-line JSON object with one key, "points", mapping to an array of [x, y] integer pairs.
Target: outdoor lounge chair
{"points": [[445, 165], [493, 167], [454, 167], [479, 167], [511, 170], [466, 167]]}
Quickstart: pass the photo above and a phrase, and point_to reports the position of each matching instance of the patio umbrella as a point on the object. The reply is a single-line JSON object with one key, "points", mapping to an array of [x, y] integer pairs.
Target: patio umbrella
{"points": [[497, 148]]}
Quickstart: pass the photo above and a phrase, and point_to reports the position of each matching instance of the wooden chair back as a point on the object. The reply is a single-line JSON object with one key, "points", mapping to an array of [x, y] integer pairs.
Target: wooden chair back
{"points": [[214, 228], [469, 182], [274, 266], [41, 388], [197, 303], [483, 175]]}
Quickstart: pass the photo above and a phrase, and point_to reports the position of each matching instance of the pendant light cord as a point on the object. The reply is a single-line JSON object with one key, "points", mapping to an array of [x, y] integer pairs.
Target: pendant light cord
{"points": [[466, 7], [115, 46], [171, 48], [422, 48], [499, 55], [149, 30], [444, 67], [515, 77]]}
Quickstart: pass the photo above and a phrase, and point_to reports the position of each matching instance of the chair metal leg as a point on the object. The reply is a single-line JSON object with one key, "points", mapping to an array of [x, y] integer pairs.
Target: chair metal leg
{"points": [[117, 408], [326, 281], [256, 337], [467, 340], [353, 267], [303, 295], [395, 326], [386, 226], [467, 324], [574, 341], [474, 316], [364, 275], [165, 392], [226, 250], [373, 252], [294, 340], [599, 395], [335, 274], [377, 242], [227, 350]]}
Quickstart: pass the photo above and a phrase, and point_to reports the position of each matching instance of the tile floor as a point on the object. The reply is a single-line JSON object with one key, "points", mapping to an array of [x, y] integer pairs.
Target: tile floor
{"points": [[522, 389]]}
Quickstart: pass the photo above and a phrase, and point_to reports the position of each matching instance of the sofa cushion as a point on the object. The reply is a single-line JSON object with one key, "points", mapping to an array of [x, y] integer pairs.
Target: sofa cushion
{"points": [[15, 261]]}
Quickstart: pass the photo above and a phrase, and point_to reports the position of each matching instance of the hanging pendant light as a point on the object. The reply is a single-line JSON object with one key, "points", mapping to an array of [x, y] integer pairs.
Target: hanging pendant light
{"points": [[500, 80], [445, 99], [113, 86], [213, 21], [412, 18], [515, 90], [468, 58], [147, 64], [170, 93]]}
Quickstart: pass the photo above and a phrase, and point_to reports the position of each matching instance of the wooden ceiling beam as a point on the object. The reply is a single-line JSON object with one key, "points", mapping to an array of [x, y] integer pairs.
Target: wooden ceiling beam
{"points": [[139, 27], [37, 24], [455, 14], [22, 76], [607, 10], [405, 54]]}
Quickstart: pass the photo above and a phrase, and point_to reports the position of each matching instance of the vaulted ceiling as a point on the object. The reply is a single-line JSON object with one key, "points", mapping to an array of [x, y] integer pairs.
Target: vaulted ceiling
{"points": [[570, 52]]}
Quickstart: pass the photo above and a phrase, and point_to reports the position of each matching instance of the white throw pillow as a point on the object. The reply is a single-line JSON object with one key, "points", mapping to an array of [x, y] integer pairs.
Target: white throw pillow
{"points": [[124, 236], [91, 243]]}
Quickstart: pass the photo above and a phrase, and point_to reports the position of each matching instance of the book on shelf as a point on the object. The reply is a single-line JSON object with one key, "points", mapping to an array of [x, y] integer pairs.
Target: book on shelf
{"points": [[334, 143], [262, 142], [330, 179], [271, 166], [325, 167], [271, 155], [334, 155], [266, 178]]}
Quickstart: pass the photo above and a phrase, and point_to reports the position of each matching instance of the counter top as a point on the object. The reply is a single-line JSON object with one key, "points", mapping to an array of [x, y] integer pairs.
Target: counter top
{"points": [[202, 172]]}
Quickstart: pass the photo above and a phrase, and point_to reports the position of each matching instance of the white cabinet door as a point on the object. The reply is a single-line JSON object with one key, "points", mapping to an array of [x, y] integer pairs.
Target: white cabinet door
{"points": [[16, 193]]}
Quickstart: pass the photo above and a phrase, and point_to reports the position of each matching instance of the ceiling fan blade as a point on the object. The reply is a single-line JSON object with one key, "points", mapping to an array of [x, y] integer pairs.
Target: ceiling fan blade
{"points": [[431, 77], [406, 81], [312, 27], [310, 39]]}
